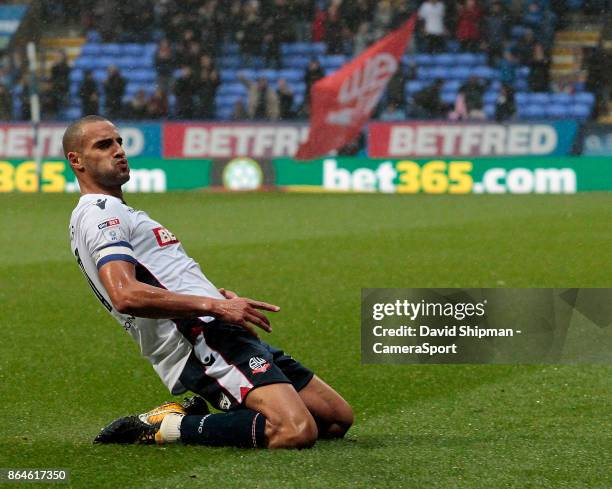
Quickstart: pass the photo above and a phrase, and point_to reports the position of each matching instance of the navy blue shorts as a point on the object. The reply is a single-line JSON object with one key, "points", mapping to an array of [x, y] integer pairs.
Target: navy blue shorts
{"points": [[227, 363]]}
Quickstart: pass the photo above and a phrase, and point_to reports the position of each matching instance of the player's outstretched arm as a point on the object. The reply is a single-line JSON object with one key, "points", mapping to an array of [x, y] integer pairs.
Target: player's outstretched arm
{"points": [[130, 296]]}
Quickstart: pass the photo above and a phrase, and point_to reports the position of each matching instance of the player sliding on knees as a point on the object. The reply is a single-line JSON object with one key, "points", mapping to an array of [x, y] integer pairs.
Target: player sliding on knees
{"points": [[198, 338]]}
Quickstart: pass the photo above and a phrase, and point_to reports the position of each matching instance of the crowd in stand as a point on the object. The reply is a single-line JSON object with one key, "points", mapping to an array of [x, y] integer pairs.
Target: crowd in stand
{"points": [[190, 34]]}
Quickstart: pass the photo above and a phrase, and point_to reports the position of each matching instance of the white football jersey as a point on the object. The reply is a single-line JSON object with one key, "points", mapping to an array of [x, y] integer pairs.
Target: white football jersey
{"points": [[102, 229]]}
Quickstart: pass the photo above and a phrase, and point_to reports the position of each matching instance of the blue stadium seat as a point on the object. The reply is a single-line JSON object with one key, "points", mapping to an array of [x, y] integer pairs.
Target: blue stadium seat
{"points": [[484, 72], [291, 75], [490, 97], [232, 88], [90, 49], [318, 48], [452, 85], [446, 59], [413, 86], [448, 97], [580, 111], [460, 72], [521, 98], [76, 75], [133, 49], [585, 98], [532, 111], [227, 75], [425, 59], [521, 84], [296, 62], [270, 75], [489, 110], [557, 111], [111, 49], [522, 72], [85, 62], [467, 59], [332, 61], [230, 62], [539, 98], [561, 98]]}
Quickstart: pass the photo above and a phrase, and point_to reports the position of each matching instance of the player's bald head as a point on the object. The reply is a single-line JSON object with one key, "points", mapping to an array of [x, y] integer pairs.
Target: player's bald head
{"points": [[72, 137]]}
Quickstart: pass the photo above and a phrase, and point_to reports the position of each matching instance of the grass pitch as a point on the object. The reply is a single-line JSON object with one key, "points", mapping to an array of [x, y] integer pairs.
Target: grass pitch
{"points": [[66, 368]]}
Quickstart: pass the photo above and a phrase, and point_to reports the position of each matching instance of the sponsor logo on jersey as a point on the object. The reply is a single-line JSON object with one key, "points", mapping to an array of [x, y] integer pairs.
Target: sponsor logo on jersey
{"points": [[108, 223], [258, 365], [208, 360], [224, 402], [164, 237], [101, 203]]}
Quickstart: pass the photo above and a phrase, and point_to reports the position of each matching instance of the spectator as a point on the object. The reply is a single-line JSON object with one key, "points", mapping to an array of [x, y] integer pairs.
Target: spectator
{"points": [[157, 107], [426, 103], [24, 97], [184, 88], [60, 79], [539, 70], [473, 93], [433, 12], [313, 73], [250, 34], [507, 67], [239, 113], [524, 47], [396, 92], [383, 16], [271, 51], [318, 25], [6, 104], [263, 101], [209, 82], [505, 106], [50, 103], [285, 100], [88, 92], [468, 25], [333, 30], [138, 106], [114, 89], [393, 112], [495, 31], [362, 39], [164, 64]]}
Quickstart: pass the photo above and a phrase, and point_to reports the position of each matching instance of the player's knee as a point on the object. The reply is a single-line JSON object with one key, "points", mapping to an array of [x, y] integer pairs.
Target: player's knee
{"points": [[299, 432], [342, 420]]}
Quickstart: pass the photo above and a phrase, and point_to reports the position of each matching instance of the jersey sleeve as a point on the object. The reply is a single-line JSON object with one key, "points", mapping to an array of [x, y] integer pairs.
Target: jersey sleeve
{"points": [[107, 233]]}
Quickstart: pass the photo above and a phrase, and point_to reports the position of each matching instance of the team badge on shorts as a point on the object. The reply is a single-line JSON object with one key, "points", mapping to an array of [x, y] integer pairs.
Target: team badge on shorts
{"points": [[224, 402], [258, 365]]}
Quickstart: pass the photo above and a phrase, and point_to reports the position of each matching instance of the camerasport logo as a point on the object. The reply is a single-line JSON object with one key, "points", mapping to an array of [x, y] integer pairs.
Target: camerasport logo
{"points": [[258, 365], [164, 237]]}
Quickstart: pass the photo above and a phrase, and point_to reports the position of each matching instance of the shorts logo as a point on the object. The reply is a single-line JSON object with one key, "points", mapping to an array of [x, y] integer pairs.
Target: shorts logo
{"points": [[224, 402], [164, 237], [111, 222], [258, 365]]}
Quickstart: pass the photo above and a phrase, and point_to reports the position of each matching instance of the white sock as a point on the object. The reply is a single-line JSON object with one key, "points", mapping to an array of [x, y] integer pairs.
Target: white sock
{"points": [[170, 429]]}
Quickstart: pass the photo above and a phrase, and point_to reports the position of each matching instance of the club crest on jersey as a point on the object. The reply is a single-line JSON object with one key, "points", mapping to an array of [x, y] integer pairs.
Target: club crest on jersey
{"points": [[164, 237], [108, 223], [258, 365]]}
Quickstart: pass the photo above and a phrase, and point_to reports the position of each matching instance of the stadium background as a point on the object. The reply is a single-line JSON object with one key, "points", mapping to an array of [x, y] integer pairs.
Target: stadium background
{"points": [[525, 93]]}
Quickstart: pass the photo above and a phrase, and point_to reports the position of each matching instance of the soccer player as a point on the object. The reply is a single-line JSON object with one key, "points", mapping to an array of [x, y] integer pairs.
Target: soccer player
{"points": [[197, 337]]}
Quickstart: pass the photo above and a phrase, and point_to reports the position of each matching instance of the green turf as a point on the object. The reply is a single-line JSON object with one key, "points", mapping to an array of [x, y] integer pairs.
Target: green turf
{"points": [[66, 368]]}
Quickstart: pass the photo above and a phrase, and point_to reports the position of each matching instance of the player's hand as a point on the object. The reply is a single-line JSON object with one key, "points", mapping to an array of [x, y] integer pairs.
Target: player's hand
{"points": [[228, 294], [245, 312]]}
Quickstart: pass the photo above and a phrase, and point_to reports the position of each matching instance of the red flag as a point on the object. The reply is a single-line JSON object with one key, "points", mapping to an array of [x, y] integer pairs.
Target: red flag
{"points": [[340, 104]]}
